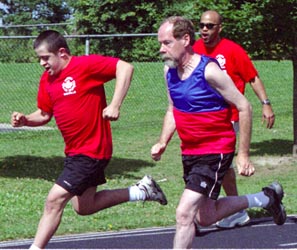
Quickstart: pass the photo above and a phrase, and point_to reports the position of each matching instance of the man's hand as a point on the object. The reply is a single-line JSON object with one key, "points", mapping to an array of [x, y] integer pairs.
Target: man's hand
{"points": [[268, 116], [244, 166], [157, 150], [18, 119], [111, 113]]}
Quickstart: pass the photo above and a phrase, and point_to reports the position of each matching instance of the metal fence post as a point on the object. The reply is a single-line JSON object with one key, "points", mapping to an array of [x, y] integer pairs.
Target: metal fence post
{"points": [[87, 44]]}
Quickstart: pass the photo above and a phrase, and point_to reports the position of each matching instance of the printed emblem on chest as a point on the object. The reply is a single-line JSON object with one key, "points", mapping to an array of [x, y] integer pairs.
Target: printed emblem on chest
{"points": [[222, 61], [69, 86]]}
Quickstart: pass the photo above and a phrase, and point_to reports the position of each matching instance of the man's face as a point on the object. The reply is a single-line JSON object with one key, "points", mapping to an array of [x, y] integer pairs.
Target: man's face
{"points": [[171, 50], [210, 29], [50, 61]]}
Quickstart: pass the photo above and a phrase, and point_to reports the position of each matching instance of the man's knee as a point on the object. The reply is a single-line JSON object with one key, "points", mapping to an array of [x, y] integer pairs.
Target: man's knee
{"points": [[82, 206], [85, 203], [204, 221], [56, 199], [82, 210], [207, 214], [183, 218], [53, 204]]}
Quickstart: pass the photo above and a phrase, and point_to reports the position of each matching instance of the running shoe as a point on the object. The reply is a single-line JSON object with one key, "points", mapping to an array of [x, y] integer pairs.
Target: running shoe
{"points": [[238, 219], [275, 207], [152, 190]]}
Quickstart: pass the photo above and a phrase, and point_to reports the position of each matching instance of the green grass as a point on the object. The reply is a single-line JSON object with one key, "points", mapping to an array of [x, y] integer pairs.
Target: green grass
{"points": [[31, 161]]}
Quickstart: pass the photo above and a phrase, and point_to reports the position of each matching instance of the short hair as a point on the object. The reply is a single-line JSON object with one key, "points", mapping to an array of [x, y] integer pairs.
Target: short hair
{"points": [[53, 39], [181, 27]]}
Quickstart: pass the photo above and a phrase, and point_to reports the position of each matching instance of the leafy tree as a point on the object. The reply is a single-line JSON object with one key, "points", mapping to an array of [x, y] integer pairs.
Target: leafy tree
{"points": [[32, 12], [265, 28], [280, 40], [23, 18], [123, 17], [275, 37]]}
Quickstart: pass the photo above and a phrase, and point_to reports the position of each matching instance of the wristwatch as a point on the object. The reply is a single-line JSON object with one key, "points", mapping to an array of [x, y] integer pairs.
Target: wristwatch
{"points": [[266, 102]]}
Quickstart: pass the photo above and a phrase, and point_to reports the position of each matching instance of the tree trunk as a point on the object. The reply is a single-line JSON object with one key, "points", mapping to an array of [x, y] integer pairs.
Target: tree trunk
{"points": [[294, 59]]}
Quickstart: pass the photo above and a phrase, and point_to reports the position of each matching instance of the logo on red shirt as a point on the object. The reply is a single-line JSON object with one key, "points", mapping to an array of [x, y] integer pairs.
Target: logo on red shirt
{"points": [[221, 60], [69, 86]]}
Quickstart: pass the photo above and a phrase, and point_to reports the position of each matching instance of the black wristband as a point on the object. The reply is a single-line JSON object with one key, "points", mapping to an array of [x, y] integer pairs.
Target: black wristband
{"points": [[266, 102]]}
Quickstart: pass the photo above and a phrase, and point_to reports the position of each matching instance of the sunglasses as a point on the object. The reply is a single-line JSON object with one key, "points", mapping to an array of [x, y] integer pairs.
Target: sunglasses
{"points": [[207, 25]]}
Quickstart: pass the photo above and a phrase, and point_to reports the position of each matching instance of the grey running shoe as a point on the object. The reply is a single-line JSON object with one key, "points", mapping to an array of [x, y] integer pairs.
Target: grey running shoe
{"points": [[238, 219], [152, 190], [275, 207]]}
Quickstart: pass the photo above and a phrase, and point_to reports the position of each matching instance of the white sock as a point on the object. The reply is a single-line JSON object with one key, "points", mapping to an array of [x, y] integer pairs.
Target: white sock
{"points": [[135, 194], [257, 200], [33, 247]]}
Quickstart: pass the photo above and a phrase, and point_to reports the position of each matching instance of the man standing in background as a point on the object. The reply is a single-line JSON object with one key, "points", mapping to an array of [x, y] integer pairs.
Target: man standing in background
{"points": [[235, 62]]}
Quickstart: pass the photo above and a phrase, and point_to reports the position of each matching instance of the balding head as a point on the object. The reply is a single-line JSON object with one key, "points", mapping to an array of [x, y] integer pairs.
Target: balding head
{"points": [[211, 15], [180, 27]]}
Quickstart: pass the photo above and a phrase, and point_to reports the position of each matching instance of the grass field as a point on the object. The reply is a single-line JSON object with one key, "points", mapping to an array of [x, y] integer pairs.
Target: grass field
{"points": [[31, 161]]}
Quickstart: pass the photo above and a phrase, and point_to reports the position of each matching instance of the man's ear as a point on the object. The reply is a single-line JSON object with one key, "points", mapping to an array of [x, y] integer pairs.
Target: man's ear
{"points": [[220, 28], [186, 39], [63, 53]]}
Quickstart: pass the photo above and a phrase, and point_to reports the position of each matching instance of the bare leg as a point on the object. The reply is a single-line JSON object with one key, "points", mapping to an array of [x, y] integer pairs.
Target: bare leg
{"points": [[185, 215], [214, 210], [238, 219], [91, 201], [53, 210], [229, 183], [205, 210]]}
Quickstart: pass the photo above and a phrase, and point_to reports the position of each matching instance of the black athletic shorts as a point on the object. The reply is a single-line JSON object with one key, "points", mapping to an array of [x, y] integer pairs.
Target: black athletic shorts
{"points": [[81, 172], [204, 173]]}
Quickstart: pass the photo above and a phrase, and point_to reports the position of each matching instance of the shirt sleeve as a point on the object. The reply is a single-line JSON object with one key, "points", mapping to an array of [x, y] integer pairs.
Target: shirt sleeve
{"points": [[244, 65], [102, 67]]}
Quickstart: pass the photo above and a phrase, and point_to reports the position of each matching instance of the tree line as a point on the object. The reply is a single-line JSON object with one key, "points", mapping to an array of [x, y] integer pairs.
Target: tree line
{"points": [[265, 28]]}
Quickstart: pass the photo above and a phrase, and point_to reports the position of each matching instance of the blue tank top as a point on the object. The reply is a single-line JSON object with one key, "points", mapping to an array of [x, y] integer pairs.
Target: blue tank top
{"points": [[202, 116], [194, 94]]}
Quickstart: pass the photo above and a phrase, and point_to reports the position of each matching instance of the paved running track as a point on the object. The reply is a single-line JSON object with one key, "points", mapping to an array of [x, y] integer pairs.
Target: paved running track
{"points": [[258, 234]]}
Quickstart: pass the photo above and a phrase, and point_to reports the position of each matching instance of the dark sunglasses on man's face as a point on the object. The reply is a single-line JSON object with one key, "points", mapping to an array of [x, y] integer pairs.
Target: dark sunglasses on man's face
{"points": [[207, 25]]}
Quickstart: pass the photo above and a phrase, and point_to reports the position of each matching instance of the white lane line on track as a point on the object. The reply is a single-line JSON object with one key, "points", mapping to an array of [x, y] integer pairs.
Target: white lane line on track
{"points": [[108, 237], [272, 224], [99, 235], [288, 244]]}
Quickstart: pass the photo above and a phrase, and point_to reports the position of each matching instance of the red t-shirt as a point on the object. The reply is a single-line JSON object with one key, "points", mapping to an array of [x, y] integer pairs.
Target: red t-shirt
{"points": [[233, 60], [76, 98]]}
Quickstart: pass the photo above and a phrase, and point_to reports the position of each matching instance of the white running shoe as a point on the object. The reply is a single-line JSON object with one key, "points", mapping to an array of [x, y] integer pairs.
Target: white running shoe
{"points": [[152, 190], [238, 219]]}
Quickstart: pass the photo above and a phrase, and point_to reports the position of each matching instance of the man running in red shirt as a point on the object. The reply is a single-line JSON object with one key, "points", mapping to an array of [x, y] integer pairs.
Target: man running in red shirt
{"points": [[71, 90]]}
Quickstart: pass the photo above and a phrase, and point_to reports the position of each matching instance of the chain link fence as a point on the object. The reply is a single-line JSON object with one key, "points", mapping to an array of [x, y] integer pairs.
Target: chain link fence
{"points": [[146, 102], [20, 71]]}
